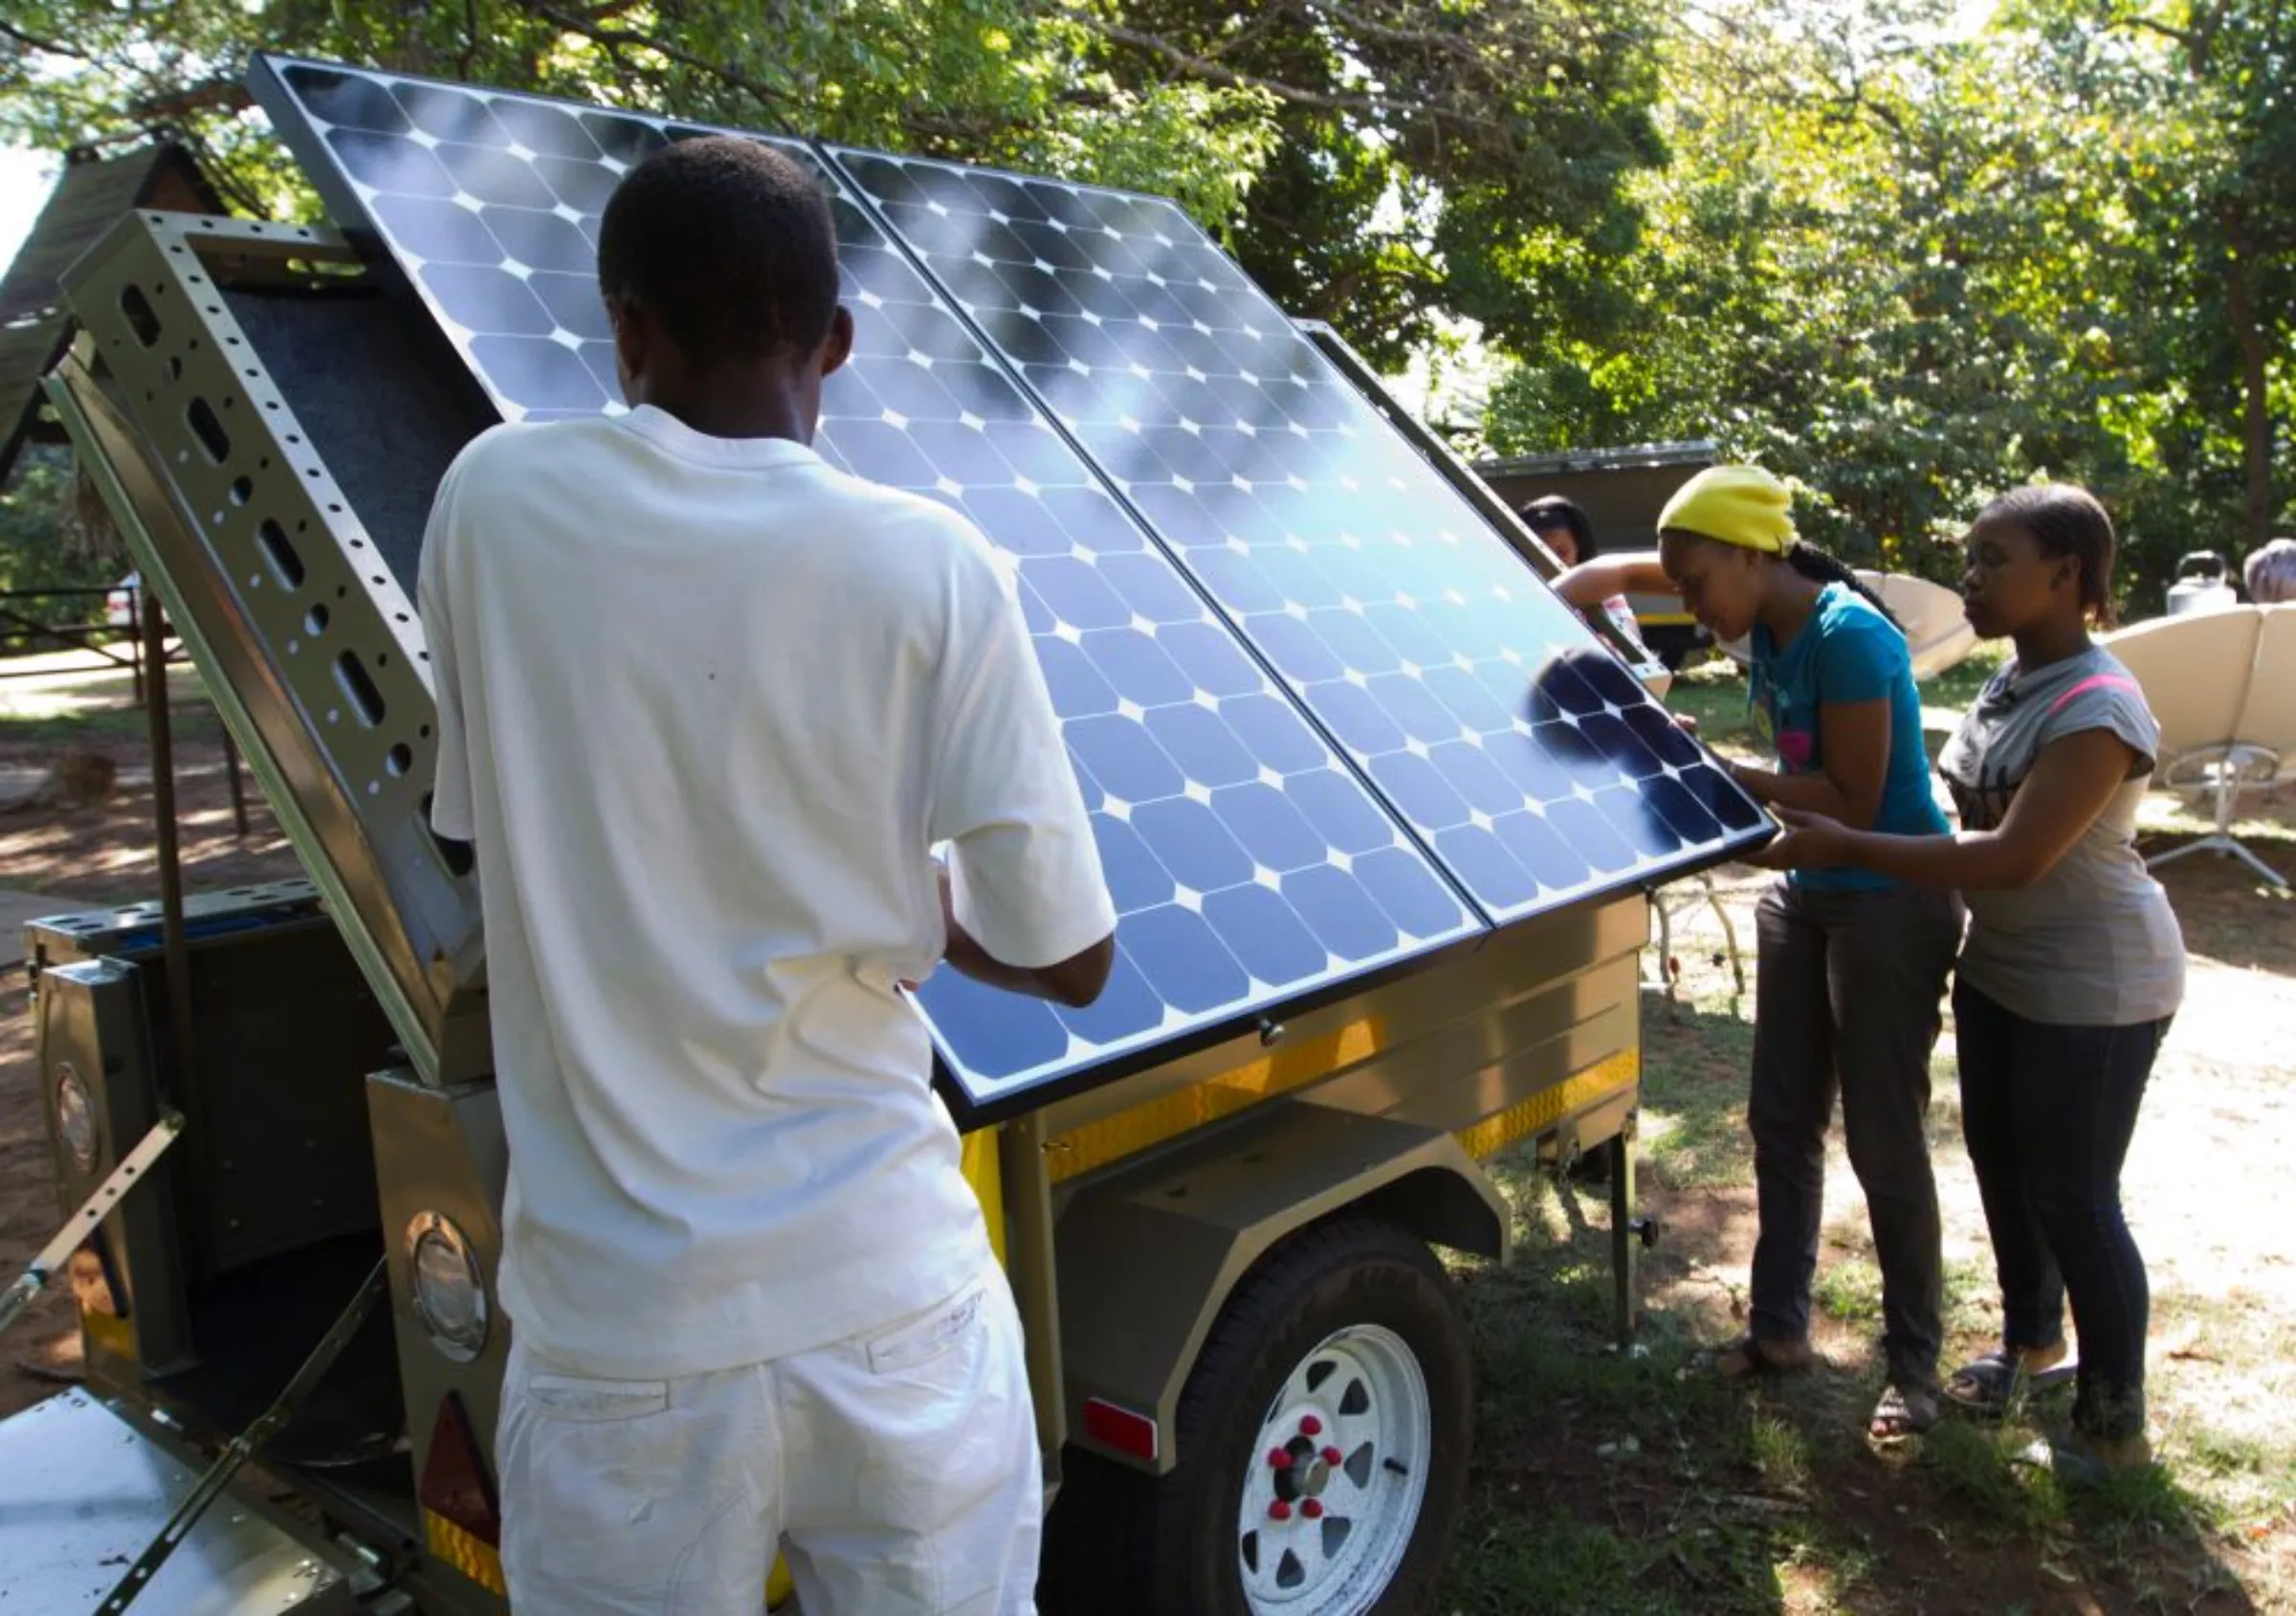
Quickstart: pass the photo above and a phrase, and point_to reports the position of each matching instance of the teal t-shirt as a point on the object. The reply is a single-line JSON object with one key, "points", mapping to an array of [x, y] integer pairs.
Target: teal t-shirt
{"points": [[1847, 652]]}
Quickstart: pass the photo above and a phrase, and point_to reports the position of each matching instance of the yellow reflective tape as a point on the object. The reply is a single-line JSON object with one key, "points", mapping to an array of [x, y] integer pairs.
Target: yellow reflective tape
{"points": [[466, 1552], [1111, 1139], [984, 1170], [482, 1565], [1518, 1123]]}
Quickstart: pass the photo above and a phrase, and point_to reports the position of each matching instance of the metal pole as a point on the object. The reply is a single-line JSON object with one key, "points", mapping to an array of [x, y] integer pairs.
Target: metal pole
{"points": [[1035, 1282], [135, 600], [171, 875], [230, 763]]}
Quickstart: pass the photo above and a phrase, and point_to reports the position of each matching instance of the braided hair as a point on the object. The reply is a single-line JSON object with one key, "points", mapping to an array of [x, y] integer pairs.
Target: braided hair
{"points": [[1824, 567]]}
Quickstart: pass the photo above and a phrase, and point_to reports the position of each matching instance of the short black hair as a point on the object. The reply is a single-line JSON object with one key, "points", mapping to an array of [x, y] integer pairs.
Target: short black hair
{"points": [[728, 245], [2064, 519], [1551, 511]]}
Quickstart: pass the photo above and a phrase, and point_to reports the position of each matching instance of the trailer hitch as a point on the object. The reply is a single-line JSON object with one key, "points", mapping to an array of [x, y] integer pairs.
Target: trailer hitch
{"points": [[135, 1165], [248, 1442]]}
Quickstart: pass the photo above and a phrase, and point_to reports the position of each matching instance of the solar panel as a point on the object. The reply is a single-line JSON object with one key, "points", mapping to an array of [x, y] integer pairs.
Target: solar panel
{"points": [[1249, 865], [1480, 706]]}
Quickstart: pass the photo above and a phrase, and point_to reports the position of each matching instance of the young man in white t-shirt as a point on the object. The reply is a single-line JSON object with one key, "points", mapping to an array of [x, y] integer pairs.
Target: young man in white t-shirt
{"points": [[705, 706]]}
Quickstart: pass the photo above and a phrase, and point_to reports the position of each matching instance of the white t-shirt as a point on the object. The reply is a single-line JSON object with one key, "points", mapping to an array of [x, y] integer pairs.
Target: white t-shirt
{"points": [[705, 706]]}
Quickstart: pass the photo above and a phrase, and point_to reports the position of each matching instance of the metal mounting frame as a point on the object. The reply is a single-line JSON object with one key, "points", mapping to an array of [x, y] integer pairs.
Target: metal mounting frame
{"points": [[313, 649]]}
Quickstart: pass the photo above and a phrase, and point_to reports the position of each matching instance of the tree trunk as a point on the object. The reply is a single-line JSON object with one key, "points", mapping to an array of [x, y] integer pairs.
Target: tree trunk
{"points": [[2256, 418]]}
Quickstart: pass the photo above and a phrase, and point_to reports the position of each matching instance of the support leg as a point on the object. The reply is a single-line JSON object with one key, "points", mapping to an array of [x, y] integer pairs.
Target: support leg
{"points": [[1626, 1236]]}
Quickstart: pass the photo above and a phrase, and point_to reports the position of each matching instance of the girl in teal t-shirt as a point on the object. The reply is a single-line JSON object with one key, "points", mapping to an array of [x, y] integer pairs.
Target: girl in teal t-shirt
{"points": [[1852, 966]]}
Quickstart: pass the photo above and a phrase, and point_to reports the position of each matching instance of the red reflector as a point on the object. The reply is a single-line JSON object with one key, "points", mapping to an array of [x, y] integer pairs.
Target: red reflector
{"points": [[455, 1484], [1120, 1428]]}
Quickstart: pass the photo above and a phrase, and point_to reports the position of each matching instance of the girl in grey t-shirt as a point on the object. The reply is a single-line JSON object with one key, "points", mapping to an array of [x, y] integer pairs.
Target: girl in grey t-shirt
{"points": [[2073, 965]]}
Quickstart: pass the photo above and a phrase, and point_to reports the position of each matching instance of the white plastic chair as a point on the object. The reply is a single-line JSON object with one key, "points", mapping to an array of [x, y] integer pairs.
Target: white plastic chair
{"points": [[2222, 684]]}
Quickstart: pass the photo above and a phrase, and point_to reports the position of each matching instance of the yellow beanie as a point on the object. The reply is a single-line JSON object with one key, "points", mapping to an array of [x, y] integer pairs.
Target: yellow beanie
{"points": [[1741, 505]]}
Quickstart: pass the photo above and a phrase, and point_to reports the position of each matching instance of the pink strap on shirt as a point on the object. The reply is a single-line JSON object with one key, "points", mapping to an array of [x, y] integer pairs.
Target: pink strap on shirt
{"points": [[2096, 681]]}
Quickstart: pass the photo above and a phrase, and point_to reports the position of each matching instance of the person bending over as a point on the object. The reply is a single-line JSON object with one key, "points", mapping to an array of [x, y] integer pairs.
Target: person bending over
{"points": [[1852, 964], [2074, 965], [706, 706]]}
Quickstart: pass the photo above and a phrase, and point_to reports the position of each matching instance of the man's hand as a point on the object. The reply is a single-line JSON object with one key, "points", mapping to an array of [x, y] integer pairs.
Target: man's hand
{"points": [[1811, 842]]}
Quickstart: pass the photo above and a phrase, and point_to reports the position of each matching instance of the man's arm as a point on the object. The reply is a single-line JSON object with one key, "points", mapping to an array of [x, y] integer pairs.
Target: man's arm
{"points": [[1024, 898], [1076, 981]]}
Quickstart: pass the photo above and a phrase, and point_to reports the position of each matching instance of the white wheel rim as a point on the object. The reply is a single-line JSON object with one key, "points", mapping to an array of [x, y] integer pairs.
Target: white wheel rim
{"points": [[1315, 1535]]}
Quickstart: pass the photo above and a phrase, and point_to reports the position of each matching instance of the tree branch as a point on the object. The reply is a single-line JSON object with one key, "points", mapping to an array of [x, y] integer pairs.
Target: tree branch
{"points": [[47, 47], [1203, 67], [614, 39]]}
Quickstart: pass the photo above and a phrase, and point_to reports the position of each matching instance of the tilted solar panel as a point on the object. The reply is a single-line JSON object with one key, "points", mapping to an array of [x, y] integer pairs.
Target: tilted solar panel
{"points": [[1251, 867], [1479, 704]]}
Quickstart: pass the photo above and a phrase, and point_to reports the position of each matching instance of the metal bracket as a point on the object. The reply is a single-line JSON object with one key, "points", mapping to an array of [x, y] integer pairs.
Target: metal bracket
{"points": [[134, 1165], [243, 1446]]}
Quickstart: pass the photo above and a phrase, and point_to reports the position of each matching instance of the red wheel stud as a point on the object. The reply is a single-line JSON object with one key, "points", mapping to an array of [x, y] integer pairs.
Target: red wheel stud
{"points": [[1279, 1458], [1312, 1509], [1332, 1458], [1279, 1511], [1311, 1426]]}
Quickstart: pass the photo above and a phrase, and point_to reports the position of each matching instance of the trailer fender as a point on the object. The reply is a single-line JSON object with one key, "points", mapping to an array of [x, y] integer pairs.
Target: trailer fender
{"points": [[1148, 1253]]}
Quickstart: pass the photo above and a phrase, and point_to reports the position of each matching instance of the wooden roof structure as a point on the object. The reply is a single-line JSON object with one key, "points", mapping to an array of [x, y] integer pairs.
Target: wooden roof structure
{"points": [[90, 195]]}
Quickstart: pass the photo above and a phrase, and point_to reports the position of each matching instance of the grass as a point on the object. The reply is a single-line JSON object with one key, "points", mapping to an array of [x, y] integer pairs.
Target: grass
{"points": [[1637, 1484]]}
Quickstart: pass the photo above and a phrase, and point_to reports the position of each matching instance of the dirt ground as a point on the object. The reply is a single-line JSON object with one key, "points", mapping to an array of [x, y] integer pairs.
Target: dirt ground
{"points": [[1630, 1474]]}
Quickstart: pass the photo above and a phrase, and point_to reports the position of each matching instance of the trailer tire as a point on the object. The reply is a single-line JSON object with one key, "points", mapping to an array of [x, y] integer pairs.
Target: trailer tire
{"points": [[1355, 1304]]}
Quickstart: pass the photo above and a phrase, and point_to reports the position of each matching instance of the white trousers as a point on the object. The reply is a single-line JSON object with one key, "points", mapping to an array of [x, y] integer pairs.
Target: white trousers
{"points": [[898, 1470]]}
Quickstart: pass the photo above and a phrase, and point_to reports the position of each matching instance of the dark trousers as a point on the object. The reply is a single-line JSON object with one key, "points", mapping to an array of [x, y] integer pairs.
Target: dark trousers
{"points": [[2048, 1112], [1849, 998]]}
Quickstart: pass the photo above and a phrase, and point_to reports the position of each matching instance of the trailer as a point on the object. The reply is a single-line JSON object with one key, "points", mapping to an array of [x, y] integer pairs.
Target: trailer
{"points": [[1380, 921]]}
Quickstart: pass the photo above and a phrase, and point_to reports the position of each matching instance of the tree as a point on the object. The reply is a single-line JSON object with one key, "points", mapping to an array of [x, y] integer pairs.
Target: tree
{"points": [[1466, 160], [2206, 91], [39, 546], [1000, 80], [1382, 163], [1909, 272]]}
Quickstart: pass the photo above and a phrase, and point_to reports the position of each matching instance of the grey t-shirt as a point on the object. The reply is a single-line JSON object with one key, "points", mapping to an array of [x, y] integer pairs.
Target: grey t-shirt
{"points": [[2095, 942]]}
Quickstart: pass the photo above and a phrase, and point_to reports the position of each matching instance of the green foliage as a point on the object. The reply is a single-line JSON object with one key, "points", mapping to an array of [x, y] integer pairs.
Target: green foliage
{"points": [[35, 552], [988, 80], [1908, 273]]}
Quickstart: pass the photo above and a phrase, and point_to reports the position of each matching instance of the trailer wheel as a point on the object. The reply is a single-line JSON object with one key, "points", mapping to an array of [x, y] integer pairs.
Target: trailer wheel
{"points": [[1323, 1442]]}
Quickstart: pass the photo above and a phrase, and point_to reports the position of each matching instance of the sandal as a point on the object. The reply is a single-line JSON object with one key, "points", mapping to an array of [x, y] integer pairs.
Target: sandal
{"points": [[1750, 1355], [1904, 1411], [1986, 1385]]}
